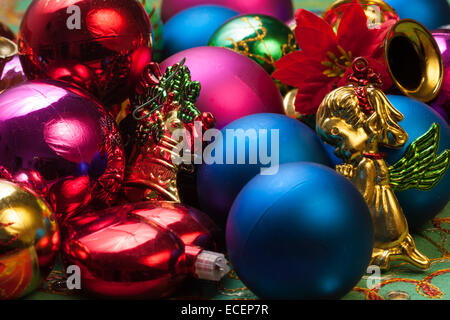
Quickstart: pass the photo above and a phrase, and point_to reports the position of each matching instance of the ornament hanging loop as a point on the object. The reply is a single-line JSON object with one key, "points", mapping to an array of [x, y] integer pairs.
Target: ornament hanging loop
{"points": [[155, 98]]}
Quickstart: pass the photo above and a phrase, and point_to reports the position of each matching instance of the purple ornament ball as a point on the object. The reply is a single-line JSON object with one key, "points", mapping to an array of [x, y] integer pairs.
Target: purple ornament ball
{"points": [[233, 86], [281, 9], [66, 137], [442, 103]]}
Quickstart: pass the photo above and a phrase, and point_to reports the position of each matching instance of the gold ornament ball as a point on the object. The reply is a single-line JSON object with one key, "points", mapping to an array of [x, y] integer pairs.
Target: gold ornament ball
{"points": [[29, 241]]}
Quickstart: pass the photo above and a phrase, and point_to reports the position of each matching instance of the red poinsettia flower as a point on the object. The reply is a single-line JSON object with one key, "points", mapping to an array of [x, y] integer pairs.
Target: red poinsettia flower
{"points": [[325, 58]]}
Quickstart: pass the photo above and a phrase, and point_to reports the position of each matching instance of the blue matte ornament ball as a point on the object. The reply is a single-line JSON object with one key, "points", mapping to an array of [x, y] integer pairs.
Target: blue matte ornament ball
{"points": [[420, 206], [335, 160], [194, 27], [304, 233], [219, 184], [431, 13]]}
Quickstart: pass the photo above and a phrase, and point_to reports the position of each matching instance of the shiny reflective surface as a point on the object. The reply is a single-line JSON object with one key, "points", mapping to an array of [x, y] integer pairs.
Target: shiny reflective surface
{"points": [[153, 168], [12, 73], [67, 138], [398, 295], [138, 250], [224, 76], [289, 104], [414, 60], [442, 37], [8, 50], [261, 38], [32, 180], [104, 53], [29, 241], [357, 135], [420, 206], [377, 12], [280, 9]]}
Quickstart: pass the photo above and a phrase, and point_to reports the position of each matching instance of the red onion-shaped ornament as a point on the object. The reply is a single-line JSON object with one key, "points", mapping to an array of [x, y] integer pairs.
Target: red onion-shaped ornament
{"points": [[142, 250]]}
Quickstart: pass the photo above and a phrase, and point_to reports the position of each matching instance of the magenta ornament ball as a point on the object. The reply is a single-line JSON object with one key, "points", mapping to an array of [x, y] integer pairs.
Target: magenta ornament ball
{"points": [[233, 86], [65, 136], [281, 9], [442, 103]]}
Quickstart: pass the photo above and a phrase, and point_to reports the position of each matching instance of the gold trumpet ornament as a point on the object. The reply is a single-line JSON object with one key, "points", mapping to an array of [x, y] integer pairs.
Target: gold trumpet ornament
{"points": [[411, 53], [357, 119]]}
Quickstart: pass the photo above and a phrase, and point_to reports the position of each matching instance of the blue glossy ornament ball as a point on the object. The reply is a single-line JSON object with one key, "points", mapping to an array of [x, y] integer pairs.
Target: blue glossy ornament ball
{"points": [[286, 139], [194, 27], [420, 206], [431, 13], [304, 233]]}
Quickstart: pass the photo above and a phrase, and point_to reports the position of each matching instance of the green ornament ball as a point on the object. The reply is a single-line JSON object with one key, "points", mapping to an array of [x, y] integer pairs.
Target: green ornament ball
{"points": [[262, 38]]}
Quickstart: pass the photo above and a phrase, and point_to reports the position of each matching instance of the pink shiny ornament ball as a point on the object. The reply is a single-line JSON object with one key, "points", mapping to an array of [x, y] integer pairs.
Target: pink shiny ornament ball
{"points": [[67, 139], [233, 85], [442, 103], [100, 46]]}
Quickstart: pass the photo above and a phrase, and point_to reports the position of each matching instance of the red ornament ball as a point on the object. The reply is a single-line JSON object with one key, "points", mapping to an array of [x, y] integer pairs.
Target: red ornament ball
{"points": [[100, 46]]}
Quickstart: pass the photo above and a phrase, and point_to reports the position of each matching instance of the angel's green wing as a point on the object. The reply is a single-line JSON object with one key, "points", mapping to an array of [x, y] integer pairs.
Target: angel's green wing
{"points": [[420, 167]]}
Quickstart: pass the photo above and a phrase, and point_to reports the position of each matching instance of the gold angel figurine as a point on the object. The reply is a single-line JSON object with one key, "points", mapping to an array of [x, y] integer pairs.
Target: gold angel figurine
{"points": [[357, 120]]}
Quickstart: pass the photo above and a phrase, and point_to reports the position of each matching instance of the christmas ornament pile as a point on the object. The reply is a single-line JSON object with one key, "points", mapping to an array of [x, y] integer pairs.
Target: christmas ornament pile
{"points": [[116, 216], [143, 152]]}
